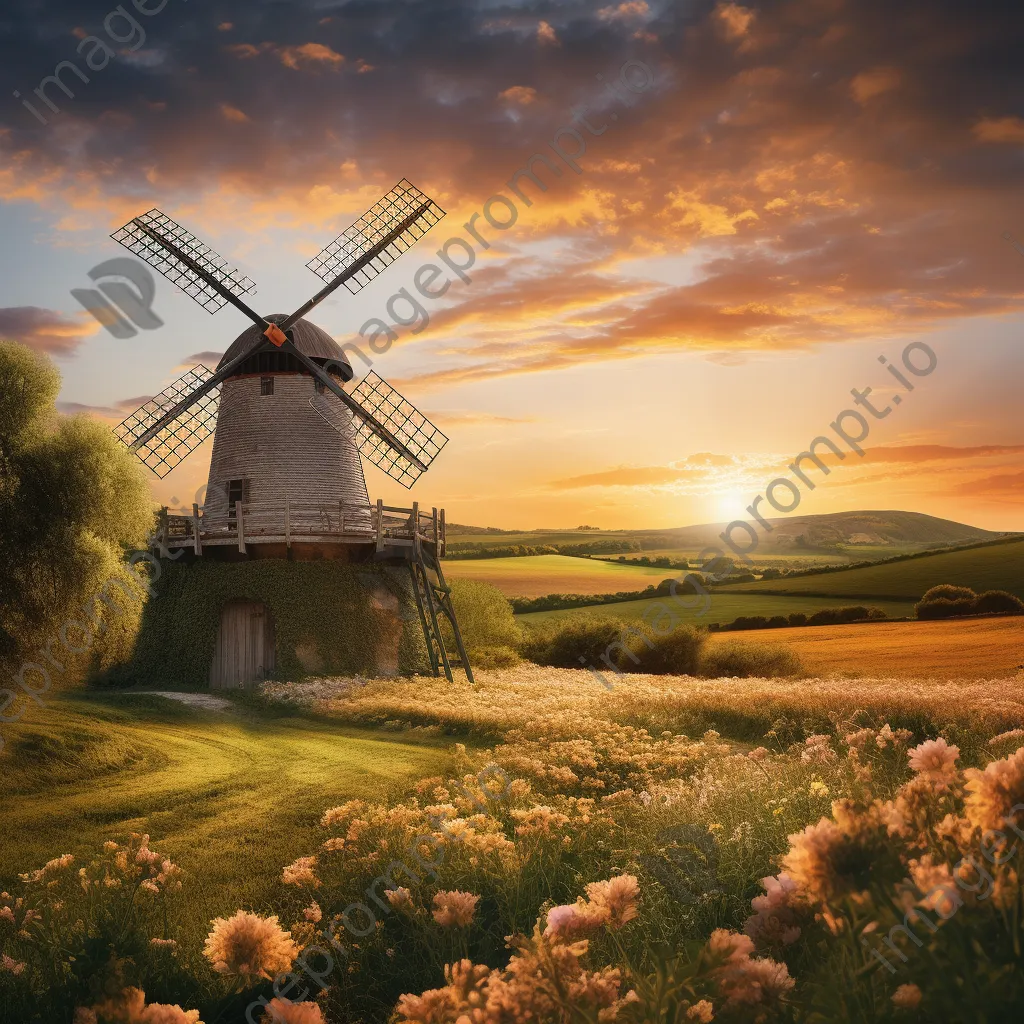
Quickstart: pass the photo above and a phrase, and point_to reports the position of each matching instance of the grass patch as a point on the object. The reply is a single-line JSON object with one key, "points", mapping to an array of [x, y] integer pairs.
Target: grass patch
{"points": [[230, 796]]}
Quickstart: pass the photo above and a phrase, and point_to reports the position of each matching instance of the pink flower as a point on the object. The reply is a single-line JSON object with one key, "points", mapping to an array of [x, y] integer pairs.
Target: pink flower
{"points": [[455, 908], [301, 872], [907, 997], [281, 1011], [935, 760], [14, 966]]}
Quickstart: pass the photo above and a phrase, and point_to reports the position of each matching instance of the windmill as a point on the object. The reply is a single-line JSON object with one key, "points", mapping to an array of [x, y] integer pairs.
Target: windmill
{"points": [[289, 469]]}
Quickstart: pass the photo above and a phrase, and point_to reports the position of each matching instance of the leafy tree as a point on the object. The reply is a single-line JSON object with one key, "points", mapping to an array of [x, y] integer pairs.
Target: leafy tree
{"points": [[72, 499]]}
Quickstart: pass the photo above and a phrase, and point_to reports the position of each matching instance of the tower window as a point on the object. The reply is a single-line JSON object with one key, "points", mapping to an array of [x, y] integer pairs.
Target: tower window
{"points": [[238, 490], [266, 385]]}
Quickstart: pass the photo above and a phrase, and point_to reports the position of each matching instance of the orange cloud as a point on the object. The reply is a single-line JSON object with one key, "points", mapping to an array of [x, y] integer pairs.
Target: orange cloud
{"points": [[309, 53], [523, 95], [734, 21], [230, 113], [1006, 486], [546, 35], [1000, 129], [630, 9], [869, 84], [45, 330]]}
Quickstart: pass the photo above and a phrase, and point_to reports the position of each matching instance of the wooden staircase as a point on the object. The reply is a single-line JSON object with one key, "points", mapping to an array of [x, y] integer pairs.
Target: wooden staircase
{"points": [[434, 598]]}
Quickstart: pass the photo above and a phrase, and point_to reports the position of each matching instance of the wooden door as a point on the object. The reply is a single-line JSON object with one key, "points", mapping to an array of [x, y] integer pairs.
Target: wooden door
{"points": [[245, 650]]}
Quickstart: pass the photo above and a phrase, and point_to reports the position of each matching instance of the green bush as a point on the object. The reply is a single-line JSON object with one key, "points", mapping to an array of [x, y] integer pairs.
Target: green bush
{"points": [[574, 642], [797, 619], [740, 659], [489, 629], [749, 622], [677, 653], [998, 601], [946, 601], [948, 592], [849, 613], [944, 608]]}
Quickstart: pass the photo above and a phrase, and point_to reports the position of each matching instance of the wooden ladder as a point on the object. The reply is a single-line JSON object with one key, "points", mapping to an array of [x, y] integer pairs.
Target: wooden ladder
{"points": [[433, 596]]}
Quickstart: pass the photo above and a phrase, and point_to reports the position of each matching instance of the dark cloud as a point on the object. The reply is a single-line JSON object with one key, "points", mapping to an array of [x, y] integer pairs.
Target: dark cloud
{"points": [[831, 168], [209, 358], [43, 329]]}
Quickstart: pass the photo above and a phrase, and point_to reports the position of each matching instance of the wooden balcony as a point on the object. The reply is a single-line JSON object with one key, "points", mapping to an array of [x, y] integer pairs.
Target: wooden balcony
{"points": [[388, 530]]}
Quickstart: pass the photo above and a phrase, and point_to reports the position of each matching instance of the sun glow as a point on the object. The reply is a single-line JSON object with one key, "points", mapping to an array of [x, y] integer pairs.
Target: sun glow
{"points": [[729, 505]]}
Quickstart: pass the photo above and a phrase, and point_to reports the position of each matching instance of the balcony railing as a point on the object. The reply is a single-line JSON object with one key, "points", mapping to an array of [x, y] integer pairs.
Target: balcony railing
{"points": [[290, 523]]}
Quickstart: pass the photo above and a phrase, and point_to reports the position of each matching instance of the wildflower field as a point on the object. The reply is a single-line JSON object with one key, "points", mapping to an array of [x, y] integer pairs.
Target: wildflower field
{"points": [[669, 849]]}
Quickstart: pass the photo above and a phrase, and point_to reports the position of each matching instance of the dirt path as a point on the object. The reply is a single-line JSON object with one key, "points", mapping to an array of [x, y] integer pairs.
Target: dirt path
{"points": [[196, 700]]}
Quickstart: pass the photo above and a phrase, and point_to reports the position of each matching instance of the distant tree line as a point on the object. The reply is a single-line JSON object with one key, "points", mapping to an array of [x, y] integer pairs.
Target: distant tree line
{"points": [[823, 617], [585, 549], [559, 602]]}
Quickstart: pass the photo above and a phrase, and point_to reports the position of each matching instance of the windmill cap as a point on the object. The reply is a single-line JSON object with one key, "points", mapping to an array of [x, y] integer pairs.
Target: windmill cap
{"points": [[310, 340]]}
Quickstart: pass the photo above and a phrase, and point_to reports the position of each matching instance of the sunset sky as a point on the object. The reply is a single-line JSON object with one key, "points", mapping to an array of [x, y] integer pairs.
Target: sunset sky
{"points": [[800, 188]]}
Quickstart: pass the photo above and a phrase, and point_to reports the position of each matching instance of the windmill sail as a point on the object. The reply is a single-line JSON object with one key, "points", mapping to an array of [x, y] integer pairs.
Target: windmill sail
{"points": [[180, 437], [402, 419], [404, 209], [137, 236]]}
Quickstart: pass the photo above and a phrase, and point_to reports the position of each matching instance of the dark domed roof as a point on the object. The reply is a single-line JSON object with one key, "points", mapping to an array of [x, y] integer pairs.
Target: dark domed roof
{"points": [[309, 339]]}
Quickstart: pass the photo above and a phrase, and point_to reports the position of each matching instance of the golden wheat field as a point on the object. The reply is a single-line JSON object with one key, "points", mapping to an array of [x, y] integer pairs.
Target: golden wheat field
{"points": [[951, 649]]}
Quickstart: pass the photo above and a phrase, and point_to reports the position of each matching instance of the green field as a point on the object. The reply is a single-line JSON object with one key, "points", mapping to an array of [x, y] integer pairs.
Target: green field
{"points": [[537, 575], [724, 608], [230, 796], [780, 558], [995, 567]]}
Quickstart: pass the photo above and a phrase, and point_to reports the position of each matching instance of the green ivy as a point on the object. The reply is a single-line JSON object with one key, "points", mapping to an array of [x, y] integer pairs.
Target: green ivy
{"points": [[327, 604]]}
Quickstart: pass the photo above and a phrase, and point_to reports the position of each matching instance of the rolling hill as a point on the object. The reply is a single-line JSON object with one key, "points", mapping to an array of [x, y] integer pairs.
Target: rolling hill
{"points": [[992, 567], [877, 531]]}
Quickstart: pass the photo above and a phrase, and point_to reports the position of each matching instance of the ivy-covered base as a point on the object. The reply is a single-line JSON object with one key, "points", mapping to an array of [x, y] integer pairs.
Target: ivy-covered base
{"points": [[330, 618]]}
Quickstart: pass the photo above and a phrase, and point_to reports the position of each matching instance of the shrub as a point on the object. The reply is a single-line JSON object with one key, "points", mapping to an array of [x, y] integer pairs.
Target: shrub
{"points": [[949, 592], [997, 601], [943, 608], [777, 621], [797, 619], [489, 629], [742, 659], [946, 601], [573, 642], [584, 642], [677, 653], [849, 613], [749, 622]]}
